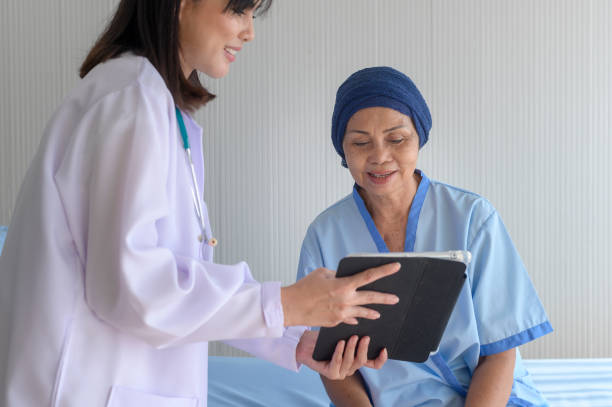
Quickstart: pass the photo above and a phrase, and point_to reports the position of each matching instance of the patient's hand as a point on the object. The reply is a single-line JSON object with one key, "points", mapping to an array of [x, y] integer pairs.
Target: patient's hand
{"points": [[347, 358]]}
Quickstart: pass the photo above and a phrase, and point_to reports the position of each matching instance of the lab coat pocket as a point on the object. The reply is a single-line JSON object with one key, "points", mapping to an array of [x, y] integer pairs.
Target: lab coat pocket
{"points": [[124, 397]]}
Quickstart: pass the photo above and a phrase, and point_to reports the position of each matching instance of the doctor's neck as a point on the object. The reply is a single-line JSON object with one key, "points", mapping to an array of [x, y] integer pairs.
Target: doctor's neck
{"points": [[185, 68]]}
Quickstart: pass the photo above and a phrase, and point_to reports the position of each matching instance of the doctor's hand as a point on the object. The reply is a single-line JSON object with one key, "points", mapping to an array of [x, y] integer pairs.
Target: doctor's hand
{"points": [[321, 299], [348, 357]]}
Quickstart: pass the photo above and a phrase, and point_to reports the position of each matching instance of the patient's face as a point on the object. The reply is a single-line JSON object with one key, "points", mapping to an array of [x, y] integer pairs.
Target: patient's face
{"points": [[381, 147]]}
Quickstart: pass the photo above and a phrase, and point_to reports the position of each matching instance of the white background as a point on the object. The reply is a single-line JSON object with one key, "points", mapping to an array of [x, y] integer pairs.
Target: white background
{"points": [[520, 93]]}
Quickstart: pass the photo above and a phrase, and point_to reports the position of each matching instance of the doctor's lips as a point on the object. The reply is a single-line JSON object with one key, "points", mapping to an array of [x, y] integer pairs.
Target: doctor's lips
{"points": [[230, 52]]}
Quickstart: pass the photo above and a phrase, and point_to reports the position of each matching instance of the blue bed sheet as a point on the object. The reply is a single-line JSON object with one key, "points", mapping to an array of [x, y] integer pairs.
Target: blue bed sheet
{"points": [[252, 382], [3, 230], [573, 382]]}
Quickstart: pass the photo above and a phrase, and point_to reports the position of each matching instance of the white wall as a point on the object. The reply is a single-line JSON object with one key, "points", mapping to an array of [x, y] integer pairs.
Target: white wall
{"points": [[521, 98]]}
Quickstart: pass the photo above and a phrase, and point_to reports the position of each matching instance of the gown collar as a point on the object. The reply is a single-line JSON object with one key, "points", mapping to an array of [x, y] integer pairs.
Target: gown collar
{"points": [[413, 216]]}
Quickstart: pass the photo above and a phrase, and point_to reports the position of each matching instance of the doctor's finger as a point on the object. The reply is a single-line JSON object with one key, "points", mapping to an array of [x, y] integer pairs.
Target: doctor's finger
{"points": [[348, 357], [360, 312], [333, 369], [363, 297], [379, 361], [370, 275], [361, 357]]}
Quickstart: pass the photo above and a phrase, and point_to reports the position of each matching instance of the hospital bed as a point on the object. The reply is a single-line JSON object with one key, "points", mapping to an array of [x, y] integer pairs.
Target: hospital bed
{"points": [[243, 381], [250, 382]]}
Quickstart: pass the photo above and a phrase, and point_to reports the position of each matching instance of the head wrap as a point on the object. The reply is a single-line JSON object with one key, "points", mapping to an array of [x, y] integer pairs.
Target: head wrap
{"points": [[380, 86]]}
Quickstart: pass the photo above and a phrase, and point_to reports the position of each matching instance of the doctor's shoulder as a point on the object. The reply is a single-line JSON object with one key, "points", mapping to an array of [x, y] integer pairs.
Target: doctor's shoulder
{"points": [[126, 80], [119, 103], [123, 95]]}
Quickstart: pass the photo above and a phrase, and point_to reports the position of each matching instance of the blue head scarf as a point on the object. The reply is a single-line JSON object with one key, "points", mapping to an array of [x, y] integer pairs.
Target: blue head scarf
{"points": [[379, 87]]}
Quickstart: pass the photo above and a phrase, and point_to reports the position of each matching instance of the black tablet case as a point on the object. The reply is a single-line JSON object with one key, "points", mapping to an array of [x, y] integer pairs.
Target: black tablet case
{"points": [[428, 289]]}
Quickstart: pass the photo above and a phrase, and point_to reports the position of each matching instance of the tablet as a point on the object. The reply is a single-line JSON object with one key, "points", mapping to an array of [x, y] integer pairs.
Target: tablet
{"points": [[427, 284]]}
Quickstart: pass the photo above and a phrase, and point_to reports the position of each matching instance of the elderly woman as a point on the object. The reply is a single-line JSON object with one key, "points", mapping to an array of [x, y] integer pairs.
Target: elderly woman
{"points": [[379, 124]]}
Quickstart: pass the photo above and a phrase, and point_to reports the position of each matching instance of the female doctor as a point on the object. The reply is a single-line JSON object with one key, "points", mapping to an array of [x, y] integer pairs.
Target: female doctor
{"points": [[108, 292]]}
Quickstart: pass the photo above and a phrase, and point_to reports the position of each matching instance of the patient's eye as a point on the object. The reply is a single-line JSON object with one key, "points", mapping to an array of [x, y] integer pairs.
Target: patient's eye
{"points": [[360, 143]]}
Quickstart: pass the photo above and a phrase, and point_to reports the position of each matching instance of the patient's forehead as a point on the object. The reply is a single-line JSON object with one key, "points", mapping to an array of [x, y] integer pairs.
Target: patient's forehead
{"points": [[380, 118]]}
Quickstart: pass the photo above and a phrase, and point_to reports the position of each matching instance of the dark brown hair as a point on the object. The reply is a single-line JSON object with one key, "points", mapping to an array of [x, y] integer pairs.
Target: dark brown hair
{"points": [[149, 28]]}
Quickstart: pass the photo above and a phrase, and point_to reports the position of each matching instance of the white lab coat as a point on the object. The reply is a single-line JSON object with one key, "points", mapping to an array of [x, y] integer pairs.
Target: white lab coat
{"points": [[106, 296]]}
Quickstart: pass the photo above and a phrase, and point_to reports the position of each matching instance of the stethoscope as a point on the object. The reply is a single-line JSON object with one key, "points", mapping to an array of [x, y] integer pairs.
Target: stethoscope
{"points": [[195, 192]]}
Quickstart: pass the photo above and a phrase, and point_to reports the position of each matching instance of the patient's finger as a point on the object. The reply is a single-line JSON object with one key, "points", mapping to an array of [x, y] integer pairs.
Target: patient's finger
{"points": [[367, 276]]}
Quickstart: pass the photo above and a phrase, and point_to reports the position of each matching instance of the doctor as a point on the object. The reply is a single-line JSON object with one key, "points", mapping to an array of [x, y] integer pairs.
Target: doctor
{"points": [[108, 292]]}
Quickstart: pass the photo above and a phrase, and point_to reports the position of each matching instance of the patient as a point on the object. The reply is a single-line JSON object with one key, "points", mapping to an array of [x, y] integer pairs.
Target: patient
{"points": [[379, 124]]}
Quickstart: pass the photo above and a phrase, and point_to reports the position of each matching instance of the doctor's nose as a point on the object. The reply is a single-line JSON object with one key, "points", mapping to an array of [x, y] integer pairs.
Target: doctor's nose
{"points": [[248, 33]]}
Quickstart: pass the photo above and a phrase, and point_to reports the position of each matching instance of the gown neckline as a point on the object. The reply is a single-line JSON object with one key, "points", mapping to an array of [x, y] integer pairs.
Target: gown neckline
{"points": [[413, 215]]}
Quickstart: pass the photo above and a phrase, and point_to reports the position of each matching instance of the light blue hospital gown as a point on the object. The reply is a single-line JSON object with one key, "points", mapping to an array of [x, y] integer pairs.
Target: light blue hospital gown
{"points": [[498, 308]]}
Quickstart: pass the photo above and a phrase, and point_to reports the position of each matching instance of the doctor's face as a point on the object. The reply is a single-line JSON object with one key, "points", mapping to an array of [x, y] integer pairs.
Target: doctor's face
{"points": [[210, 38], [381, 147]]}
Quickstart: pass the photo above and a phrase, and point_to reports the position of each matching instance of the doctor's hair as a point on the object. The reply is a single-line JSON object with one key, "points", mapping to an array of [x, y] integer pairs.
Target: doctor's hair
{"points": [[240, 6], [150, 28]]}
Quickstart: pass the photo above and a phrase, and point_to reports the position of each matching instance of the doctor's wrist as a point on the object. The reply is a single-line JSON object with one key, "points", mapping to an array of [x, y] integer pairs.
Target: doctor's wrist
{"points": [[287, 300]]}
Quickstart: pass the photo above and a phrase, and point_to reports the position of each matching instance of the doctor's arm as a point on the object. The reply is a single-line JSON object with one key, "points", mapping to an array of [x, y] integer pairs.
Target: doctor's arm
{"points": [[492, 380], [322, 299], [132, 280]]}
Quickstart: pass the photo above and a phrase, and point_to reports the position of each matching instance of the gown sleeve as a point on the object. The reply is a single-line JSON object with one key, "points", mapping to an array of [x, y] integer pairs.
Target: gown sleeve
{"points": [[506, 304], [310, 257], [131, 280]]}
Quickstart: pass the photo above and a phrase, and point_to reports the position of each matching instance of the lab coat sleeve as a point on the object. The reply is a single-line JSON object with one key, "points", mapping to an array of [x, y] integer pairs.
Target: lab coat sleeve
{"points": [[276, 350], [508, 310], [131, 281], [280, 351]]}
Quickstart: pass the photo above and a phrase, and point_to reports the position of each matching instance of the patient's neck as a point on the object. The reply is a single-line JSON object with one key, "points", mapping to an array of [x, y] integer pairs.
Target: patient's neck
{"points": [[390, 212], [393, 205]]}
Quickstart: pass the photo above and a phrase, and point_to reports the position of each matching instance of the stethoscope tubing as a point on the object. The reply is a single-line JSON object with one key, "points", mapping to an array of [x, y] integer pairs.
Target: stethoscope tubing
{"points": [[195, 191]]}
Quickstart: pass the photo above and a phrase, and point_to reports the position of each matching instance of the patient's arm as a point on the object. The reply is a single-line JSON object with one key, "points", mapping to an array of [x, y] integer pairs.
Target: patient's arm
{"points": [[349, 392], [492, 380]]}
